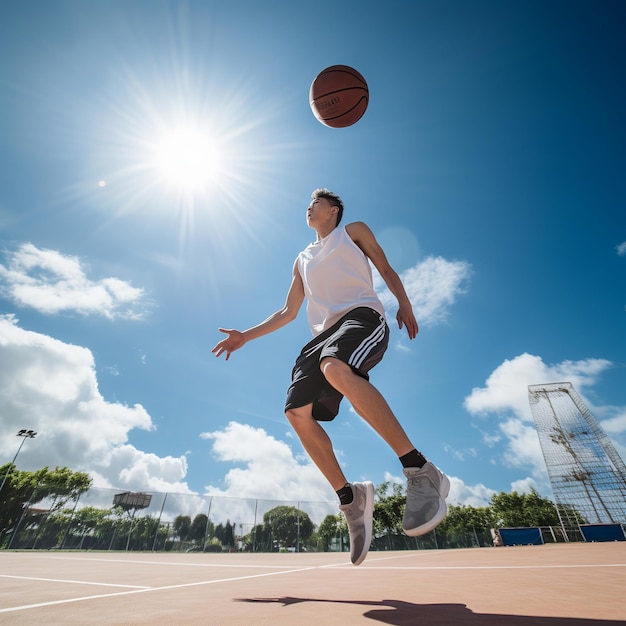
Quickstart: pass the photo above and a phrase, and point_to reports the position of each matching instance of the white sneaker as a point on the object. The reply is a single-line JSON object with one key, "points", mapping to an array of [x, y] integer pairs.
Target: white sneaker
{"points": [[359, 515], [426, 493]]}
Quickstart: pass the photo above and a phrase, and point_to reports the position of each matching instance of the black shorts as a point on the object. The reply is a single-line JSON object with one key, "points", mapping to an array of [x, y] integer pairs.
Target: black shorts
{"points": [[359, 339]]}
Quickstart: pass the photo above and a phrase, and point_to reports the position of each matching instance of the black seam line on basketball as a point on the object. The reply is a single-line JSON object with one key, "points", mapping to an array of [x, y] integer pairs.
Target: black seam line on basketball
{"points": [[359, 78], [331, 93], [344, 113]]}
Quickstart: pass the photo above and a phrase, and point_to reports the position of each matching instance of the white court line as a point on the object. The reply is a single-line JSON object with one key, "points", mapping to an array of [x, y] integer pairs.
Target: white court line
{"points": [[74, 582], [371, 564], [371, 567], [372, 559], [470, 567], [146, 590], [125, 561]]}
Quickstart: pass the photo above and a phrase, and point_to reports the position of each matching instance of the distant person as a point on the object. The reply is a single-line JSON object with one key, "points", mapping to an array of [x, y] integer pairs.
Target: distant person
{"points": [[350, 336]]}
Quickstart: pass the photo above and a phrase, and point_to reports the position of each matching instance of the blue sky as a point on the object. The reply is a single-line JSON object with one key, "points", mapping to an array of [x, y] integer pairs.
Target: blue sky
{"points": [[489, 164]]}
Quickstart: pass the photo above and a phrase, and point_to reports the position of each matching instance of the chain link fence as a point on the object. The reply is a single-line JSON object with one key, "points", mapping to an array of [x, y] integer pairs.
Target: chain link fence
{"points": [[107, 519]]}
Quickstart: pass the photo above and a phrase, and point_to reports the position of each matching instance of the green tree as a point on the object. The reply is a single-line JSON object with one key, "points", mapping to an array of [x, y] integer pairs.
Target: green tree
{"points": [[226, 534], [143, 532], [463, 519], [329, 529], [201, 527], [466, 526], [283, 522], [89, 526], [55, 488], [182, 526], [389, 508], [512, 510], [198, 528], [257, 540]]}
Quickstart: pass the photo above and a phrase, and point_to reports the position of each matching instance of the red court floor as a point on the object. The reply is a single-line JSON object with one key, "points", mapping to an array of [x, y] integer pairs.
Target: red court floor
{"points": [[565, 584]]}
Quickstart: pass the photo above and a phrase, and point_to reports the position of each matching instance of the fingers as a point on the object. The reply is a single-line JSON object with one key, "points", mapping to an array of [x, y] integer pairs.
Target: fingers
{"points": [[410, 324], [228, 344], [219, 350]]}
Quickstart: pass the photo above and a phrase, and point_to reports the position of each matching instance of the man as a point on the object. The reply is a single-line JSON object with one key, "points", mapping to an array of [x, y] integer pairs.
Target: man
{"points": [[350, 336]]}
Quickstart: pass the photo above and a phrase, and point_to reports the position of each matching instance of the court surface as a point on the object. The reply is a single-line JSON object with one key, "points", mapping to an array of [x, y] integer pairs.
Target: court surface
{"points": [[549, 585]]}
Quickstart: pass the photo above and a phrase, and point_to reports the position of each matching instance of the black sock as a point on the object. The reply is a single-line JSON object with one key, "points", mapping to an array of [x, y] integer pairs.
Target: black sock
{"points": [[346, 495], [413, 459]]}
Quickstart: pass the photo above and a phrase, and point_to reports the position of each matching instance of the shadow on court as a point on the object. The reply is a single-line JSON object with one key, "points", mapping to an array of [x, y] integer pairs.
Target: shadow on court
{"points": [[400, 613]]}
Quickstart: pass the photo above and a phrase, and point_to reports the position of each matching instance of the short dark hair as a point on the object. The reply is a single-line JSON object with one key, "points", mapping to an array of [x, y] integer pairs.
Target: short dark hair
{"points": [[333, 198]]}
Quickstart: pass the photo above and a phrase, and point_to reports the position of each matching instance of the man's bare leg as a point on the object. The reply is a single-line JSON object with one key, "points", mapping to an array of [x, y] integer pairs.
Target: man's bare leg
{"points": [[368, 403], [317, 444], [357, 499]]}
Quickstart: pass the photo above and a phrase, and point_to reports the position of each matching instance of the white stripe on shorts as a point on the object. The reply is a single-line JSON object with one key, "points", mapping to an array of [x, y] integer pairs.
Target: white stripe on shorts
{"points": [[366, 346]]}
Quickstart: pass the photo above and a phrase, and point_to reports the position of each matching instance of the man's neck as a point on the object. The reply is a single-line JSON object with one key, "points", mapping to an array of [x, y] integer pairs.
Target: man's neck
{"points": [[324, 232]]}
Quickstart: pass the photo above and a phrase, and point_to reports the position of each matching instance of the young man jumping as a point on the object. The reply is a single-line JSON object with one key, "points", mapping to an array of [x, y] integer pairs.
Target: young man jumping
{"points": [[350, 336]]}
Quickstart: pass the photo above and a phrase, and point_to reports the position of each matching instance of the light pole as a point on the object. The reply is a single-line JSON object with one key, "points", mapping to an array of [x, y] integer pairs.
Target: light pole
{"points": [[25, 434]]}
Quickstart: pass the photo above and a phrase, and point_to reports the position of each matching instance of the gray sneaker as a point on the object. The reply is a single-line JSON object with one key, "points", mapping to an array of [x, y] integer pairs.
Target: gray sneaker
{"points": [[426, 492], [359, 515]]}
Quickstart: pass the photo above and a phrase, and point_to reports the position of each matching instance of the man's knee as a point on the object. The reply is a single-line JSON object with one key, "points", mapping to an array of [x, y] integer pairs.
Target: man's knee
{"points": [[296, 417], [334, 369]]}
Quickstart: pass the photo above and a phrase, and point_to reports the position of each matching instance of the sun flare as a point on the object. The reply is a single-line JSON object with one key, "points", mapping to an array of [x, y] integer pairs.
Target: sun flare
{"points": [[187, 158]]}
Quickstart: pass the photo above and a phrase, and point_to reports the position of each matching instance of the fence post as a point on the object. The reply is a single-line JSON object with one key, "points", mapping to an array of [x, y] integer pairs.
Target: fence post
{"points": [[67, 532], [298, 530], [25, 507], [158, 526], [256, 504], [206, 528]]}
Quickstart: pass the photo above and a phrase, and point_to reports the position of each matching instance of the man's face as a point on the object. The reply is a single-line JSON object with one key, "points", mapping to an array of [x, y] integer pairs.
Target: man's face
{"points": [[320, 211]]}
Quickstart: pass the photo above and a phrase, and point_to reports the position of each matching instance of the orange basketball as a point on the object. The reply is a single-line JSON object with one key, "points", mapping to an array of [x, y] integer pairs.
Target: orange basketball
{"points": [[339, 96]]}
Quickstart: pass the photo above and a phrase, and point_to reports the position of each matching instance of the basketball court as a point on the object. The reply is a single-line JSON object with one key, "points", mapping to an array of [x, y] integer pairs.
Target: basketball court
{"points": [[557, 584]]}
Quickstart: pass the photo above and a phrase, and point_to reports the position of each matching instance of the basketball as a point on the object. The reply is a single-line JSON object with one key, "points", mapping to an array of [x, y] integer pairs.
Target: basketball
{"points": [[339, 96]]}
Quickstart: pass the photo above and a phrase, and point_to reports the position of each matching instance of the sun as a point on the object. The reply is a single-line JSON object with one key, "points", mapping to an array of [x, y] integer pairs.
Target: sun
{"points": [[189, 143], [187, 158]]}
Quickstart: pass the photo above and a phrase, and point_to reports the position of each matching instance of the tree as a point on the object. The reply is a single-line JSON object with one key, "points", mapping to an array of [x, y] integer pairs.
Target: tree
{"points": [[57, 486], [466, 526], [463, 519], [182, 526], [199, 529], [287, 525], [328, 530], [513, 510], [88, 527], [389, 508], [226, 534]]}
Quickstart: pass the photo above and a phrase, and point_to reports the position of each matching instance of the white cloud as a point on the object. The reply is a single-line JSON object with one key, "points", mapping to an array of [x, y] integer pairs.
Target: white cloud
{"points": [[432, 286], [468, 495], [524, 485], [460, 455], [270, 475], [506, 387], [270, 469], [51, 282], [617, 423], [621, 249], [50, 386], [505, 395], [523, 448]]}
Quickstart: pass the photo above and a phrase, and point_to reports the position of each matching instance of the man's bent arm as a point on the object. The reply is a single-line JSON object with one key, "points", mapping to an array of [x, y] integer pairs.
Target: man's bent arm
{"points": [[361, 234]]}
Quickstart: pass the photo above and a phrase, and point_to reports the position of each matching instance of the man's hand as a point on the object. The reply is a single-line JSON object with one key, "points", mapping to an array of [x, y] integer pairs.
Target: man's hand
{"points": [[233, 342], [407, 319]]}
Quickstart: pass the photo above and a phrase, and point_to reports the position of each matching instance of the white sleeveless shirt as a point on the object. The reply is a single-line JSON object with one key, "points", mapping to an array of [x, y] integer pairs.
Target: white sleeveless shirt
{"points": [[337, 278]]}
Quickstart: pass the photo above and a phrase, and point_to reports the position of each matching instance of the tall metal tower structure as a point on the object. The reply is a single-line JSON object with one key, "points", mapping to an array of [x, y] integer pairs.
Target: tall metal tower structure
{"points": [[587, 475]]}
